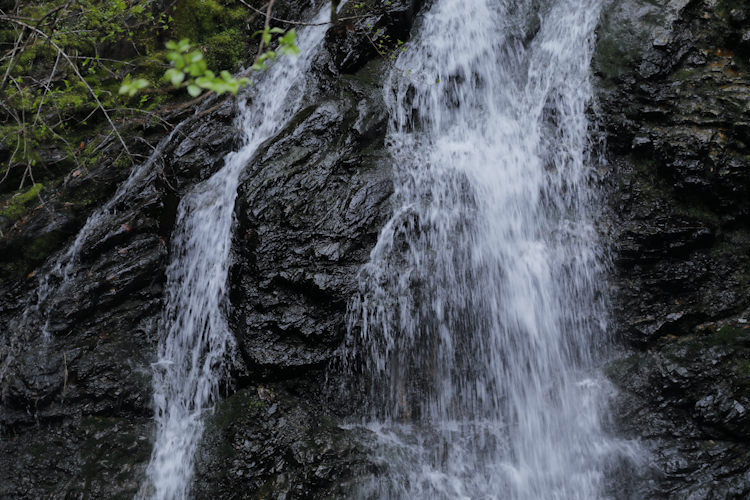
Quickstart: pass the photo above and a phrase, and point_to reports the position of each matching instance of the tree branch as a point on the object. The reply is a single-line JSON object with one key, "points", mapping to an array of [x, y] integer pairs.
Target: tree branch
{"points": [[267, 25], [300, 23]]}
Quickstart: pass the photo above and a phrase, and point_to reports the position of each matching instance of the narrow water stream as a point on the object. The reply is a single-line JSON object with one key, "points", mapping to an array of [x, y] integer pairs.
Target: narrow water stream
{"points": [[195, 340], [482, 313]]}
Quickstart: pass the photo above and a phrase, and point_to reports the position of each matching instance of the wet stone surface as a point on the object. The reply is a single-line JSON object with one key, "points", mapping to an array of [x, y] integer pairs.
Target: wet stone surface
{"points": [[673, 83], [76, 413]]}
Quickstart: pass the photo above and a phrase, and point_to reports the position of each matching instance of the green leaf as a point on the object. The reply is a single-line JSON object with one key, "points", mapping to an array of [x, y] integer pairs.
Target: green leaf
{"points": [[204, 82], [290, 50], [196, 69], [289, 38], [141, 83], [194, 90], [223, 87], [175, 76]]}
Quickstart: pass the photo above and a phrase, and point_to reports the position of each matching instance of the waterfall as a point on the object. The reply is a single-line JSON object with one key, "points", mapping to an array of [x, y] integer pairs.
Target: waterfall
{"points": [[195, 341], [482, 314]]}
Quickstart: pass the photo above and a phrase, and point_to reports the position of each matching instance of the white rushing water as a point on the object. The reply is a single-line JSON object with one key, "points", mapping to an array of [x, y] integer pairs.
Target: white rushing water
{"points": [[481, 315], [195, 341]]}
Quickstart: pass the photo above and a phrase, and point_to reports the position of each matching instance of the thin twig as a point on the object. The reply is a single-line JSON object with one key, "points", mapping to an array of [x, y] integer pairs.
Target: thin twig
{"points": [[11, 18], [372, 42], [13, 113], [150, 114], [267, 25], [13, 60], [22, 123], [46, 89], [301, 23]]}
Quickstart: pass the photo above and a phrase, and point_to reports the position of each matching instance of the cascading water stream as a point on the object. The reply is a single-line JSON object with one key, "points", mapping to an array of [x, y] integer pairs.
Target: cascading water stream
{"points": [[196, 341], [481, 314]]}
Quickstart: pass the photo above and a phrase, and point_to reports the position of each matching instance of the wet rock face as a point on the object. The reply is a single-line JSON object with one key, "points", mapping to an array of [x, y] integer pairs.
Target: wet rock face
{"points": [[674, 86], [688, 398], [274, 441], [89, 457], [310, 207], [76, 411], [370, 29]]}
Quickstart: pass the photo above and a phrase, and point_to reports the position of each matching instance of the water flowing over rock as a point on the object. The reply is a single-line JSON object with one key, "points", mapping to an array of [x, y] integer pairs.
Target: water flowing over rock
{"points": [[402, 281], [197, 342], [479, 319]]}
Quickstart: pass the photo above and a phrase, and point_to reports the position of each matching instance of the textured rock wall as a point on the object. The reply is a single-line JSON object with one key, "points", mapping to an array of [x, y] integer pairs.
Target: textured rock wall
{"points": [[76, 412], [674, 86], [76, 409], [674, 89], [311, 205]]}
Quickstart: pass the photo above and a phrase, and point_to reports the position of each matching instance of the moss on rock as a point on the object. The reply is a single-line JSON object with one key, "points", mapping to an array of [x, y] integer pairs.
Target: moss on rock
{"points": [[217, 26], [19, 203]]}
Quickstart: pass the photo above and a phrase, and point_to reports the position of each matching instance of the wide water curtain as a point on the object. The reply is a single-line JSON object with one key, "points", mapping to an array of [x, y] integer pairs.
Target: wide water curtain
{"points": [[480, 319]]}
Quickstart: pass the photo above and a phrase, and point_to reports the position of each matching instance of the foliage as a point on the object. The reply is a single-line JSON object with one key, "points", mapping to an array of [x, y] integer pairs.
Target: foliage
{"points": [[60, 62], [77, 77], [359, 14], [63, 63], [189, 69], [286, 41]]}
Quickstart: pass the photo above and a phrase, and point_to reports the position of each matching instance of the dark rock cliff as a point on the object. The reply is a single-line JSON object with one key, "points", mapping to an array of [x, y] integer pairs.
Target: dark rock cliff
{"points": [[76, 412], [673, 80], [76, 406], [310, 209], [674, 97]]}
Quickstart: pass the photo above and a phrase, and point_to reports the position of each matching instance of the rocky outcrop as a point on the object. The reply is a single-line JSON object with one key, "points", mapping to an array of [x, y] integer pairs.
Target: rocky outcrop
{"points": [[310, 208], [278, 441], [76, 401], [76, 410], [673, 79], [674, 87], [311, 205]]}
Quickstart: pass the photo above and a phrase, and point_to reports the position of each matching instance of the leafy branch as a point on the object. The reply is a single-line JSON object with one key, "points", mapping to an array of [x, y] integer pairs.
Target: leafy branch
{"points": [[189, 69]]}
